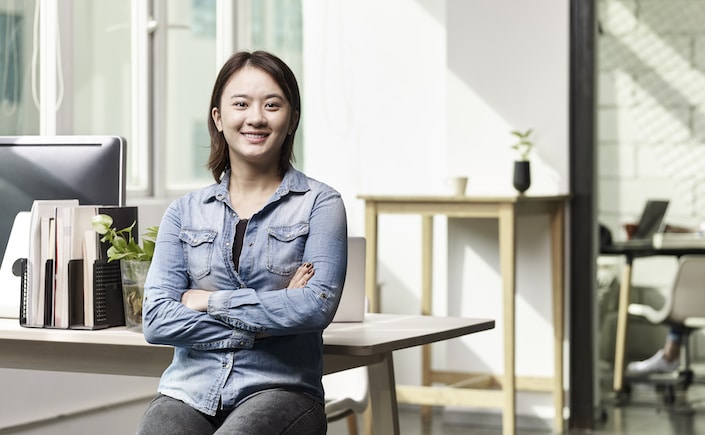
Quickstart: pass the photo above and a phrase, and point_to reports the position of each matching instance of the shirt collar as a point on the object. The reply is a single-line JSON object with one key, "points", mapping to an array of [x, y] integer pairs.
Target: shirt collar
{"points": [[294, 181]]}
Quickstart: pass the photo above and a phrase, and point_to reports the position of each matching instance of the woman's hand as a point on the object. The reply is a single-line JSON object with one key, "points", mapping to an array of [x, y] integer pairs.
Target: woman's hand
{"points": [[196, 299], [301, 276]]}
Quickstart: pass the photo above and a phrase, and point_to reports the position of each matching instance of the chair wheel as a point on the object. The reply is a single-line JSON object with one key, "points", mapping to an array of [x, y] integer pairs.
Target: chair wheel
{"points": [[669, 395]]}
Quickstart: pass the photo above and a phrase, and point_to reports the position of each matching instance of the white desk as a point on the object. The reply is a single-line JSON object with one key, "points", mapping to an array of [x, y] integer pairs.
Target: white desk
{"points": [[346, 345]]}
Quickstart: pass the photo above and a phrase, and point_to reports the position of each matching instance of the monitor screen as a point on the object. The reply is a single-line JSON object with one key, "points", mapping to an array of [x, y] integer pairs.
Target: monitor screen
{"points": [[88, 168]]}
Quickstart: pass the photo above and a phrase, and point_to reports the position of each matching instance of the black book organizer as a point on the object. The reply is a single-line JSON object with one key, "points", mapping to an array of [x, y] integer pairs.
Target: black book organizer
{"points": [[107, 295]]}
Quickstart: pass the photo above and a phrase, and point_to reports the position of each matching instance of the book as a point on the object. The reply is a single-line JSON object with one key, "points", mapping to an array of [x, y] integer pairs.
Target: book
{"points": [[62, 256], [36, 262], [80, 224], [46, 277]]}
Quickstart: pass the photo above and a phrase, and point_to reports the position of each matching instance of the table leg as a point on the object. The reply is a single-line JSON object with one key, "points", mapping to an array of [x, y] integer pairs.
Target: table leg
{"points": [[426, 303], [625, 290], [383, 397], [371, 288], [507, 265]]}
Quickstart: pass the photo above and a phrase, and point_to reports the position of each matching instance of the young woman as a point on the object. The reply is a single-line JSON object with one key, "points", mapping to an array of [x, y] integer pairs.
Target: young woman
{"points": [[247, 272]]}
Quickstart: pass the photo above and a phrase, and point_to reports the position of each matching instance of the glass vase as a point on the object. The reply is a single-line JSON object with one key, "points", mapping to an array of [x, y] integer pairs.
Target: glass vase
{"points": [[134, 274]]}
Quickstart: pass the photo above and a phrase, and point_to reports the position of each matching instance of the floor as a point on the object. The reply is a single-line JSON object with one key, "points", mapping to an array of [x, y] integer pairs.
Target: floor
{"points": [[641, 412]]}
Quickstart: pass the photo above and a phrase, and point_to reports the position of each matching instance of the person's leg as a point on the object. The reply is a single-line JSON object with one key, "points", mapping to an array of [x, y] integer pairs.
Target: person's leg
{"points": [[672, 349], [663, 361], [276, 412], [168, 416]]}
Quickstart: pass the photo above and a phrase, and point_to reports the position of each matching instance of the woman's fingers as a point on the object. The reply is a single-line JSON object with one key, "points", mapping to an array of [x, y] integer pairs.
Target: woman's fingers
{"points": [[301, 276]]}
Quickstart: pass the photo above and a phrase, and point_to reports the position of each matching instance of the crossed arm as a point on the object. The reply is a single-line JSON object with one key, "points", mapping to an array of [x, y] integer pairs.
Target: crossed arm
{"points": [[197, 299]]}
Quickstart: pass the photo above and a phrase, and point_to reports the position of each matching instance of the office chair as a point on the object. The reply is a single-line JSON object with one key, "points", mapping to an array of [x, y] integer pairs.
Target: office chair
{"points": [[684, 306], [346, 396]]}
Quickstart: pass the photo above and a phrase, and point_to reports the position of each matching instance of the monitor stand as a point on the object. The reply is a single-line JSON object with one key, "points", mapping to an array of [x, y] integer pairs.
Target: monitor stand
{"points": [[17, 247]]}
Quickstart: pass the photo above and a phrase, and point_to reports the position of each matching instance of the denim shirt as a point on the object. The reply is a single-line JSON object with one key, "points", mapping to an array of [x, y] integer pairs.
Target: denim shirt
{"points": [[256, 334]]}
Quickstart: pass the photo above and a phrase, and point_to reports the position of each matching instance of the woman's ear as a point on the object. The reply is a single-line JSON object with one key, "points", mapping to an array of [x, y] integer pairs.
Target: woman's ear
{"points": [[215, 114]]}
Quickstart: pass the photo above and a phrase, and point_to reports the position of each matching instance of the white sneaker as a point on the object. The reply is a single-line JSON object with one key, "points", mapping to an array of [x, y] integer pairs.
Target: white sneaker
{"points": [[656, 364]]}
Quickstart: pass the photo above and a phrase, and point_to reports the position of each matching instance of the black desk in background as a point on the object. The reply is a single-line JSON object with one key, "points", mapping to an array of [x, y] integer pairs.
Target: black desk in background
{"points": [[632, 251]]}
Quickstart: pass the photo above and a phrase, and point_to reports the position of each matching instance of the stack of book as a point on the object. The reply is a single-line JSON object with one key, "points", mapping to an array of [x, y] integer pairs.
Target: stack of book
{"points": [[680, 240], [68, 282]]}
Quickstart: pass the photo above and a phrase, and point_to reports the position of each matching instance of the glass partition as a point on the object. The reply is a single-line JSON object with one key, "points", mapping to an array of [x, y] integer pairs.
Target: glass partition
{"points": [[19, 112]]}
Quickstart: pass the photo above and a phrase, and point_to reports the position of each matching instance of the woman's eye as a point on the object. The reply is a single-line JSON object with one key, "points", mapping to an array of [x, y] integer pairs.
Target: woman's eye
{"points": [[272, 105], [239, 104]]}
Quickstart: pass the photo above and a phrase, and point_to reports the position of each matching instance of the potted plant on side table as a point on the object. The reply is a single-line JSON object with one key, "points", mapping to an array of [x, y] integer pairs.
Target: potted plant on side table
{"points": [[134, 263], [522, 167]]}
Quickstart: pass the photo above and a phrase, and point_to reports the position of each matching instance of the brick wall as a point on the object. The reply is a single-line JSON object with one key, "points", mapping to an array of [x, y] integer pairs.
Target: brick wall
{"points": [[651, 109]]}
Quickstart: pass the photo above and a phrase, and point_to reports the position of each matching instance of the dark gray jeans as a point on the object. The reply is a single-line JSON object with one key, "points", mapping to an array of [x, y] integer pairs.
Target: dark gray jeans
{"points": [[270, 412]]}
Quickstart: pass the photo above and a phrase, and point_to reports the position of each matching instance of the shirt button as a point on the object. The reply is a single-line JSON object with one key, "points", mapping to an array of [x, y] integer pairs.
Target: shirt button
{"points": [[242, 343]]}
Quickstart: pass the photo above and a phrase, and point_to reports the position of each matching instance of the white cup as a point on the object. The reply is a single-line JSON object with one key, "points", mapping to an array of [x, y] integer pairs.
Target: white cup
{"points": [[457, 185]]}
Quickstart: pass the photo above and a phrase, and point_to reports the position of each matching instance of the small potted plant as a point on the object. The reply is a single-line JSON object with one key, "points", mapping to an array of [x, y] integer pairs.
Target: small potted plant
{"points": [[134, 263], [522, 167]]}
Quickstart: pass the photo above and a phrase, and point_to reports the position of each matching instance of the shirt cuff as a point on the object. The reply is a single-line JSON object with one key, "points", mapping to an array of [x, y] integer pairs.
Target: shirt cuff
{"points": [[224, 306]]}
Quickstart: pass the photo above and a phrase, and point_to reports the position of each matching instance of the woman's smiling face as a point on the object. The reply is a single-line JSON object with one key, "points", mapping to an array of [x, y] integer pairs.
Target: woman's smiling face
{"points": [[254, 117]]}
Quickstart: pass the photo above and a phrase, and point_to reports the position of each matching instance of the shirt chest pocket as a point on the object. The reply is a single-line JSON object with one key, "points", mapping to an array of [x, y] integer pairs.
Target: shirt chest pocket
{"points": [[198, 251], [285, 248]]}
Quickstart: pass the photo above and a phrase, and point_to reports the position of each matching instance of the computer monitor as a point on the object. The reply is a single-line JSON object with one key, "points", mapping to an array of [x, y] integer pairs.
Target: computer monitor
{"points": [[88, 168]]}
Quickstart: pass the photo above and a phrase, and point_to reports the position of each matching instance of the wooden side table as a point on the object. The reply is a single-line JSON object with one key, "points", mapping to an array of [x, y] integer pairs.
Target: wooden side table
{"points": [[505, 210]]}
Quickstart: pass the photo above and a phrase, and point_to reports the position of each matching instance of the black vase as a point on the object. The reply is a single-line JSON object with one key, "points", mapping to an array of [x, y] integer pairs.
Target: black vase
{"points": [[522, 175]]}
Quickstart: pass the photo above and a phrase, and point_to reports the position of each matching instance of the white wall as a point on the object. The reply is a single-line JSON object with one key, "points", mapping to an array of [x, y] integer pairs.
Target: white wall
{"points": [[407, 99]]}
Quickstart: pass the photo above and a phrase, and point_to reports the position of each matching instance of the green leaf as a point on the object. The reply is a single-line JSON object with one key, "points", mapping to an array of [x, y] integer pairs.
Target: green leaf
{"points": [[123, 245], [101, 223]]}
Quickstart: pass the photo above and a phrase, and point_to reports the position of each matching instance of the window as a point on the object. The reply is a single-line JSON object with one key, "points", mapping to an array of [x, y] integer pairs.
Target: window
{"points": [[18, 112], [139, 69]]}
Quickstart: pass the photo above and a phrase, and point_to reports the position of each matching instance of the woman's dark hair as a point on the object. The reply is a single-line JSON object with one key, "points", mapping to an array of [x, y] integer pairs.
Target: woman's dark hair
{"points": [[219, 159]]}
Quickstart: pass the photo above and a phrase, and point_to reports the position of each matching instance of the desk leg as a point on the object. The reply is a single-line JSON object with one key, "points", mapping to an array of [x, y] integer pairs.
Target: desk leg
{"points": [[426, 303], [625, 296], [371, 288], [507, 265], [383, 398]]}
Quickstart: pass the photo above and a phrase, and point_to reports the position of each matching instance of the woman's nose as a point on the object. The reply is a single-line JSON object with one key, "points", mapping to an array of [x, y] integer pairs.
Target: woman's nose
{"points": [[256, 117]]}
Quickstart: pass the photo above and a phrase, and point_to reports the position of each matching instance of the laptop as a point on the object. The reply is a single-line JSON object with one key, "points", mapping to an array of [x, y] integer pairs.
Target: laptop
{"points": [[352, 303], [650, 223]]}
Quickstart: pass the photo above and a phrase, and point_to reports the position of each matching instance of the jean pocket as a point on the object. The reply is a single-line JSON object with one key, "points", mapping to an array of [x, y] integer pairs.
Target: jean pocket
{"points": [[198, 249], [285, 248]]}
